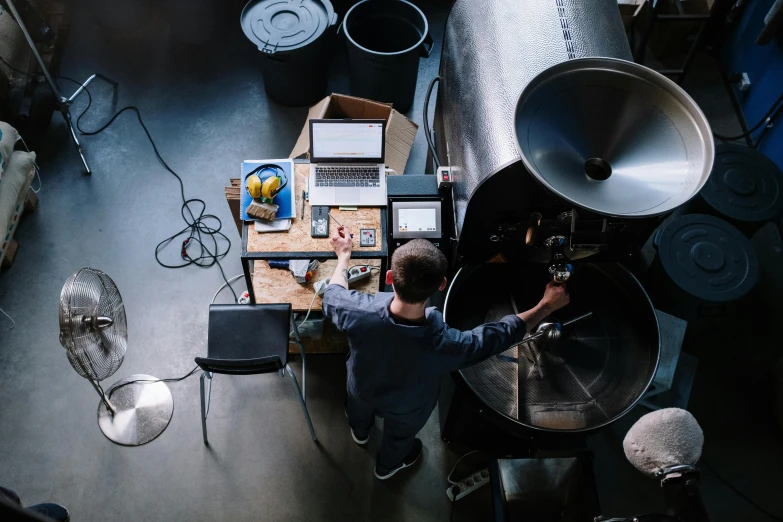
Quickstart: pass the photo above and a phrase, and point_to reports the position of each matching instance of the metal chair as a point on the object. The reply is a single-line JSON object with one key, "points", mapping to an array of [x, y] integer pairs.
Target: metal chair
{"points": [[248, 340]]}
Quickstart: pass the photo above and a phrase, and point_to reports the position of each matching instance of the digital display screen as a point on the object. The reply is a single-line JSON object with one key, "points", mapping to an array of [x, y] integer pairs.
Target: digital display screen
{"points": [[348, 141], [417, 220]]}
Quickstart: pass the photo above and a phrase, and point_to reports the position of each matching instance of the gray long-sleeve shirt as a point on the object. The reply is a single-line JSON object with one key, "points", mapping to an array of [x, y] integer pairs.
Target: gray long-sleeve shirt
{"points": [[397, 367]]}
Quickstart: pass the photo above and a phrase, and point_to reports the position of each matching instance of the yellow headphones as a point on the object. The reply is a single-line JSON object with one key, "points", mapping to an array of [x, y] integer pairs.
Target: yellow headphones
{"points": [[266, 189]]}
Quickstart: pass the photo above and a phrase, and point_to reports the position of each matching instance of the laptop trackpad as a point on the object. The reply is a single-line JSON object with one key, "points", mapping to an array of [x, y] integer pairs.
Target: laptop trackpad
{"points": [[347, 196]]}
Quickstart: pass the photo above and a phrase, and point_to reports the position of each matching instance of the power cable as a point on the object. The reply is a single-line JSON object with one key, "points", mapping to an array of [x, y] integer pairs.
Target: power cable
{"points": [[198, 227], [426, 123], [13, 323], [227, 283], [172, 379], [765, 120], [17, 70]]}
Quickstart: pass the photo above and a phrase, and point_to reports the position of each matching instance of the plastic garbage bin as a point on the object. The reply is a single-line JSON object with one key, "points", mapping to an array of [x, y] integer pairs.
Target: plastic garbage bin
{"points": [[294, 39], [385, 39]]}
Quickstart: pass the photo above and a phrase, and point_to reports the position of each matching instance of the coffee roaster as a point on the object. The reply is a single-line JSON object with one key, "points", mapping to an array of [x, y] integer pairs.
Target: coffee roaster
{"points": [[564, 156], [549, 130]]}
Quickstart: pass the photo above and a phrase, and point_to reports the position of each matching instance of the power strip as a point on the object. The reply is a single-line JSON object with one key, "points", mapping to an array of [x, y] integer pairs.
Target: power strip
{"points": [[320, 286], [468, 485], [357, 273]]}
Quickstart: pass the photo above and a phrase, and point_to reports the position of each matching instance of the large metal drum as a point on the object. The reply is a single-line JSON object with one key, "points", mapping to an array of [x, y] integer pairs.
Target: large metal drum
{"points": [[540, 111], [595, 372]]}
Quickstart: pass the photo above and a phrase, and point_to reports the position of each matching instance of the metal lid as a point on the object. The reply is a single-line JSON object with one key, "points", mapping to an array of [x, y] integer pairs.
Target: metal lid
{"points": [[708, 257], [613, 137], [744, 185], [286, 25]]}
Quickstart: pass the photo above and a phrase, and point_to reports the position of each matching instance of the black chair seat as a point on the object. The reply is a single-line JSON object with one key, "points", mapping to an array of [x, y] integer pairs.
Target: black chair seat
{"points": [[268, 364]]}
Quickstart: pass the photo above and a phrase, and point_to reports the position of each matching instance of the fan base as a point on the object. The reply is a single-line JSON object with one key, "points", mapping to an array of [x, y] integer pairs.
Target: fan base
{"points": [[144, 411]]}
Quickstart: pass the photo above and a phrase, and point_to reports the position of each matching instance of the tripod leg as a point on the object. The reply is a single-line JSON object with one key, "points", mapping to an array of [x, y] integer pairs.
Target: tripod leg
{"points": [[67, 115]]}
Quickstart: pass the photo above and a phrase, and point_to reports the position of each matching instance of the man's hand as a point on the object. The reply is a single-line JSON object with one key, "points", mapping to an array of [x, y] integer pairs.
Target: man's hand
{"points": [[342, 243], [555, 297]]}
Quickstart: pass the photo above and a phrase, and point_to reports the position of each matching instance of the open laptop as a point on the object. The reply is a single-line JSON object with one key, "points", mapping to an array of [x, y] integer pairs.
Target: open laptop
{"points": [[347, 163]]}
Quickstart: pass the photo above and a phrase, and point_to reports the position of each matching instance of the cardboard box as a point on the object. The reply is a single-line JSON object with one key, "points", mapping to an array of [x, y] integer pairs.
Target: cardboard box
{"points": [[400, 131]]}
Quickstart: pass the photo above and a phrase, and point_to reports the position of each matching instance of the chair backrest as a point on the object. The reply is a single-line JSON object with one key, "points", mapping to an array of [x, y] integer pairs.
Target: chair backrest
{"points": [[244, 339]]}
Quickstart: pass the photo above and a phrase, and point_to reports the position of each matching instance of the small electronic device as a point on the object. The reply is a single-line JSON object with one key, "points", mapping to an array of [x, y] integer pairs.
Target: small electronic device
{"points": [[367, 237], [357, 273], [444, 177], [319, 221], [347, 162], [416, 218]]}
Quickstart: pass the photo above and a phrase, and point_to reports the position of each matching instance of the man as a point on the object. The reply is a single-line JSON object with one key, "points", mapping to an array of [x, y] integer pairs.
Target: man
{"points": [[400, 349]]}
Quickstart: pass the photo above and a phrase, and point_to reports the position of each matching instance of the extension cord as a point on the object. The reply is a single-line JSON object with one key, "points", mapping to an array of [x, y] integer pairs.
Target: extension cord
{"points": [[357, 273], [320, 286], [468, 485]]}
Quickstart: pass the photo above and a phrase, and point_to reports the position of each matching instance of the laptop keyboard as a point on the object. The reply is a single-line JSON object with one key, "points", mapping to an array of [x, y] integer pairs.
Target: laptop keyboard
{"points": [[347, 176]]}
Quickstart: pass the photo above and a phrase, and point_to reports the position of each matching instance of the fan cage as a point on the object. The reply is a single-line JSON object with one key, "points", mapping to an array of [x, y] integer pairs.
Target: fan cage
{"points": [[95, 353]]}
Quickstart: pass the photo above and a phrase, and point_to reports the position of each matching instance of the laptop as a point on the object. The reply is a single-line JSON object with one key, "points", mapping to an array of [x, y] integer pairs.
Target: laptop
{"points": [[347, 163]]}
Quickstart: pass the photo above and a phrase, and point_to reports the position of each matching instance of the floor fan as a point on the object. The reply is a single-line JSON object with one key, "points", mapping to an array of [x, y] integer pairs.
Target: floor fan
{"points": [[93, 331]]}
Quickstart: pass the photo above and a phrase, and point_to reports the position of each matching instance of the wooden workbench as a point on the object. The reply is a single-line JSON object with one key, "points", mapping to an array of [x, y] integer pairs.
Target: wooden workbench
{"points": [[268, 285], [274, 285]]}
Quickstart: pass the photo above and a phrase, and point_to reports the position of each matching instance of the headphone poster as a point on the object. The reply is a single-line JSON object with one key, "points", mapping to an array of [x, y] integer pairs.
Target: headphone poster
{"points": [[264, 169]]}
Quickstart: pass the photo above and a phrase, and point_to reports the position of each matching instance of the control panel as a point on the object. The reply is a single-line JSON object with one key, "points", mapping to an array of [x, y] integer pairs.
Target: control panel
{"points": [[417, 218], [367, 237]]}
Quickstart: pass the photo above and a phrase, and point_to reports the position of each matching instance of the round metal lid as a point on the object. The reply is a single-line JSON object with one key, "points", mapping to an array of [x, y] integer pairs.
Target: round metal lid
{"points": [[744, 185], [613, 137], [285, 25], [708, 258]]}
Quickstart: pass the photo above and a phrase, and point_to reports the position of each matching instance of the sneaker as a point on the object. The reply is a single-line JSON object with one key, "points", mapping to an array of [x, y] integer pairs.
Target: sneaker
{"points": [[361, 441], [382, 473], [52, 511]]}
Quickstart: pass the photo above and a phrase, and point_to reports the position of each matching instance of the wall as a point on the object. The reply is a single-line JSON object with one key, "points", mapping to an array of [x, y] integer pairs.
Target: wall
{"points": [[764, 66]]}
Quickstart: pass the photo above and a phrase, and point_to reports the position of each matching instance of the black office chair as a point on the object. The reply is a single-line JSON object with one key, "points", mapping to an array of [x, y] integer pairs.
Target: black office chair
{"points": [[247, 340]]}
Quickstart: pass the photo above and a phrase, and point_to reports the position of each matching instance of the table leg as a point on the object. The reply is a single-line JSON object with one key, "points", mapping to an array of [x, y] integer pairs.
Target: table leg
{"points": [[248, 279]]}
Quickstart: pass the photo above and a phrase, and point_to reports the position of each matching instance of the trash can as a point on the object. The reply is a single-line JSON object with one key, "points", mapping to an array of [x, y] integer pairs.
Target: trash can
{"points": [[744, 188], [294, 38], [702, 267], [385, 39]]}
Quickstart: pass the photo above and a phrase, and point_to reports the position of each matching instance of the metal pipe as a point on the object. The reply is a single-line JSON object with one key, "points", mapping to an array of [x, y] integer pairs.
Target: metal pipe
{"points": [[31, 43], [105, 399]]}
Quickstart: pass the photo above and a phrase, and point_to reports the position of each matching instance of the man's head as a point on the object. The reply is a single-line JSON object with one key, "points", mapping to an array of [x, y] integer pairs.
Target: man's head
{"points": [[418, 270]]}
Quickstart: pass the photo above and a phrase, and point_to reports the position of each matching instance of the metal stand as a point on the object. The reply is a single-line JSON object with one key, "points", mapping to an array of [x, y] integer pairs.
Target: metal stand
{"points": [[143, 411], [109, 406], [63, 104]]}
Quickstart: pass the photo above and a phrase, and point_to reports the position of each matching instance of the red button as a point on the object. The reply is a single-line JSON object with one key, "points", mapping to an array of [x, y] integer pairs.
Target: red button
{"points": [[363, 269], [445, 177]]}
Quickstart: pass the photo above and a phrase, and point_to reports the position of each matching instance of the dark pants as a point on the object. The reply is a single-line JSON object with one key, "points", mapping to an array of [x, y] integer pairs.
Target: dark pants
{"points": [[11, 509], [399, 431]]}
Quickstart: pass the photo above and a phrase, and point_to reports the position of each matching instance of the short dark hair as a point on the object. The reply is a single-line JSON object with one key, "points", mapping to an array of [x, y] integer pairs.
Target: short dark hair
{"points": [[418, 268]]}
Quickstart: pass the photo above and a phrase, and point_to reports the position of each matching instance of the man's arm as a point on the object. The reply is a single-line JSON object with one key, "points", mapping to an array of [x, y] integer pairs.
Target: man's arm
{"points": [[492, 338], [338, 303], [342, 244], [555, 298]]}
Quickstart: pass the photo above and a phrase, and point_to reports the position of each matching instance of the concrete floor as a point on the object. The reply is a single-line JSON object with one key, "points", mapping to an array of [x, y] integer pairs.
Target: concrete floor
{"points": [[204, 103]]}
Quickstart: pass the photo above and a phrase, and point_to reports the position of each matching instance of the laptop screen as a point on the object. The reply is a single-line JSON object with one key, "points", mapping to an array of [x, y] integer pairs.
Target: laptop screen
{"points": [[354, 141]]}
